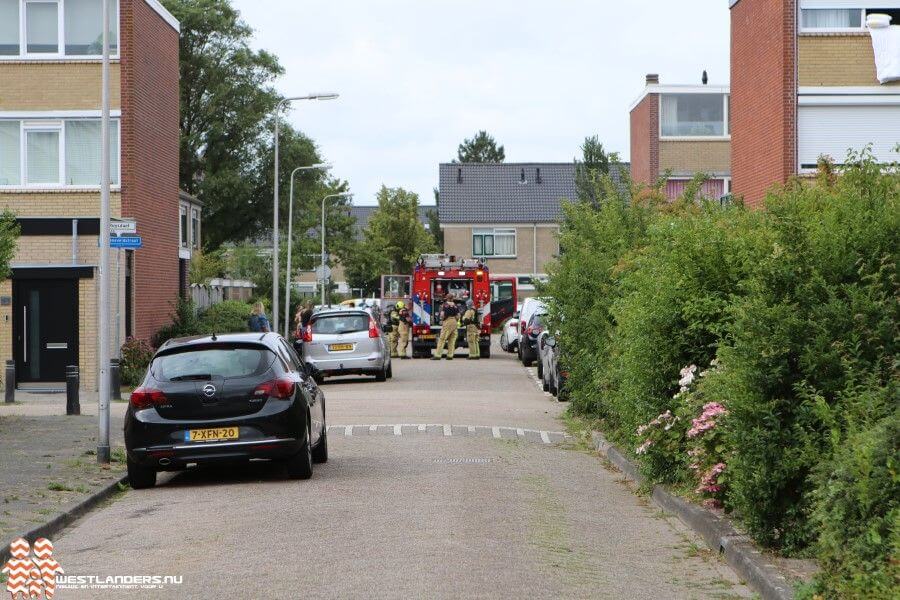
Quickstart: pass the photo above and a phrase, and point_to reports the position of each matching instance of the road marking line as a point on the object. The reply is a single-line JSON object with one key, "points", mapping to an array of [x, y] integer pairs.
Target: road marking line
{"points": [[471, 429], [520, 433], [348, 430], [398, 429], [447, 430], [373, 428], [422, 427], [495, 431], [545, 437]]}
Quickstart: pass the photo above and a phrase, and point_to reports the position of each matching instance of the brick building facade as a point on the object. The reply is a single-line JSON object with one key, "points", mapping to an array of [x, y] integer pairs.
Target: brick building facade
{"points": [[804, 85], [681, 130], [50, 66]]}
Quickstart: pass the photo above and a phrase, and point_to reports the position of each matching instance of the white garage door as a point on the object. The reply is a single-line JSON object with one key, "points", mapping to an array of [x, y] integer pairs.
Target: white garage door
{"points": [[832, 130]]}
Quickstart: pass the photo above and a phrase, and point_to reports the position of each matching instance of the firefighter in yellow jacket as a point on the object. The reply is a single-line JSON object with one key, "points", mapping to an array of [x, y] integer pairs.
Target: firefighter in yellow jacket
{"points": [[473, 329], [449, 314]]}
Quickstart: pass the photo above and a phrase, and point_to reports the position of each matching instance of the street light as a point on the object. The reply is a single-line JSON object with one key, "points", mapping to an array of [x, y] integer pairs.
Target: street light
{"points": [[290, 243], [338, 195], [103, 387], [278, 107]]}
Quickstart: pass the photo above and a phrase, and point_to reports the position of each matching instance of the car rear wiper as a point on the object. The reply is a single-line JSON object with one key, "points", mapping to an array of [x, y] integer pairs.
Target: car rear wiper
{"points": [[192, 377]]}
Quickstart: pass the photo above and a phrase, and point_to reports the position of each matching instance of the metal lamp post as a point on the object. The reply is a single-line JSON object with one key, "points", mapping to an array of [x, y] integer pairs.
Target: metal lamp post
{"points": [[290, 243], [284, 102], [103, 450], [338, 195]]}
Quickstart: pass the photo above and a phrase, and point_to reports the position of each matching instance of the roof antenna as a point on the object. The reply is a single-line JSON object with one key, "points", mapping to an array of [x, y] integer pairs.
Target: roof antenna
{"points": [[213, 338], [704, 78]]}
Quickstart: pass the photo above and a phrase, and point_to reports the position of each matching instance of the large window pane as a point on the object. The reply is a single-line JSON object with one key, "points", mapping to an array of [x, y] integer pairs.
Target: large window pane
{"points": [[505, 243], [831, 18], [692, 115], [9, 27], [9, 153], [83, 152], [84, 27], [478, 245], [42, 156], [41, 27]]}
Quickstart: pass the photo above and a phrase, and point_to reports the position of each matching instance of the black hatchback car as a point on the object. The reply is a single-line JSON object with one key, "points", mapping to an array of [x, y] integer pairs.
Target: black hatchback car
{"points": [[226, 398]]}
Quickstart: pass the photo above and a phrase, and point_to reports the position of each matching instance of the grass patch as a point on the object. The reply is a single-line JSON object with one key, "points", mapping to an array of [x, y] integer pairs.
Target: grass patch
{"points": [[55, 486]]}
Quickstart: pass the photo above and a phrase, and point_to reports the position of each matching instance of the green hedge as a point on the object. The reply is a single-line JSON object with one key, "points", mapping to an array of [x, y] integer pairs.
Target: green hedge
{"points": [[741, 352]]}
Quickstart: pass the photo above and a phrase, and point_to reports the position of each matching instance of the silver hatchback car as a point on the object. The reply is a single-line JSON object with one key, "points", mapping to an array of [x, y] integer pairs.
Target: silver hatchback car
{"points": [[346, 341]]}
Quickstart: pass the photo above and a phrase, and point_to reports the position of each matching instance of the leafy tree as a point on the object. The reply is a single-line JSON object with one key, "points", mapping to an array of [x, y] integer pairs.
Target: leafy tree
{"points": [[9, 234], [594, 165], [434, 223], [482, 148], [227, 100], [205, 266], [393, 240]]}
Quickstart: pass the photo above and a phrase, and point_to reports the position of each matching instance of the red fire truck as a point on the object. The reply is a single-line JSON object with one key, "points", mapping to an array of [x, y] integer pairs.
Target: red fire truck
{"points": [[436, 275]]}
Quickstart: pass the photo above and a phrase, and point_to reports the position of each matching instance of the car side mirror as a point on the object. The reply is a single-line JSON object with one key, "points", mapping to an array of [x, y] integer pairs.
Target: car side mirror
{"points": [[551, 341], [298, 346], [515, 315]]}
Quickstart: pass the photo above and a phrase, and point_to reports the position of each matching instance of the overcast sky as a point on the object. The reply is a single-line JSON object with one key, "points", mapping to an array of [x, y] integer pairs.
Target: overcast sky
{"points": [[416, 77]]}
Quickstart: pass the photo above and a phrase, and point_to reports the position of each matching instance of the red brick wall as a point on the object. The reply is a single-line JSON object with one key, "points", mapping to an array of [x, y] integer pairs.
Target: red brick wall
{"points": [[763, 96], [645, 140], [150, 131]]}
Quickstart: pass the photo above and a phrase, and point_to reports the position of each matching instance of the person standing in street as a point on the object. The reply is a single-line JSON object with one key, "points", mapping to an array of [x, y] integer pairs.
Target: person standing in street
{"points": [[403, 327], [394, 324], [473, 328], [449, 314], [258, 321]]}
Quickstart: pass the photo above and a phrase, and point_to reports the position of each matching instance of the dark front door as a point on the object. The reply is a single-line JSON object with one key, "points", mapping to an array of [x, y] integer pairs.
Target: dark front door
{"points": [[45, 315]]}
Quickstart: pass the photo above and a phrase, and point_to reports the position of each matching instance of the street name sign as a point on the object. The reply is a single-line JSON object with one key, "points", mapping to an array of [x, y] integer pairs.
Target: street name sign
{"points": [[127, 242]]}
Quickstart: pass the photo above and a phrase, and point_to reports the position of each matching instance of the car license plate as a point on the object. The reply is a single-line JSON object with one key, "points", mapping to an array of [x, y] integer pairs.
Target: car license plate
{"points": [[340, 347], [428, 336], [209, 435]]}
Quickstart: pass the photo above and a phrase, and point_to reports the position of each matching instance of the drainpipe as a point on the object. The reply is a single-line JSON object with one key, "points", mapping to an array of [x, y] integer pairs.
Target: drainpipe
{"points": [[534, 251], [74, 241]]}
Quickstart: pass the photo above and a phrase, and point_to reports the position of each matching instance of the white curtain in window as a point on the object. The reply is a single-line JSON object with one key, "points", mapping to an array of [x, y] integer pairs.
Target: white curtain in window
{"points": [[42, 156], [504, 243], [41, 27], [669, 114], [84, 27], [9, 27], [83, 152], [9, 153], [831, 18]]}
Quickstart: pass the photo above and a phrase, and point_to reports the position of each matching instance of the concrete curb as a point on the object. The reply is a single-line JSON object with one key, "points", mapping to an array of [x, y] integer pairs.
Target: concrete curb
{"points": [[737, 549], [63, 520]]}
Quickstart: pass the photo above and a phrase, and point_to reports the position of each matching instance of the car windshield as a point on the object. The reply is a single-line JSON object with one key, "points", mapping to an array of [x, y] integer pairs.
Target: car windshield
{"points": [[537, 320], [206, 363], [337, 324]]}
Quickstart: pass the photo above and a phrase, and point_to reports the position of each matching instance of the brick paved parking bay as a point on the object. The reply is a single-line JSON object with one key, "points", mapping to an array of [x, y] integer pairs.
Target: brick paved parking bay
{"points": [[451, 480]]}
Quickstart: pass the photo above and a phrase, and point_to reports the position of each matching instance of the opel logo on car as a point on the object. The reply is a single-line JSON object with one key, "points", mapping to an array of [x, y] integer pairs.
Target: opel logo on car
{"points": [[209, 390]]}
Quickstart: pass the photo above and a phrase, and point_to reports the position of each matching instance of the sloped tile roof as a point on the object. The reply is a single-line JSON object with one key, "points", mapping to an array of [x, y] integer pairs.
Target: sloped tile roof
{"points": [[507, 192]]}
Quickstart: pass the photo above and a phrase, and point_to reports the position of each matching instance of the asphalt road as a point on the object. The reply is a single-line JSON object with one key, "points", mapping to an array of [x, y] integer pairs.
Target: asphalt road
{"points": [[449, 481]]}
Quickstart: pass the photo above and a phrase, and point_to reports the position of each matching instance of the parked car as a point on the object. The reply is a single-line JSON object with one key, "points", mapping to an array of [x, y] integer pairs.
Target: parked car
{"points": [[509, 337], [224, 398], [554, 375], [528, 339], [346, 341], [529, 306]]}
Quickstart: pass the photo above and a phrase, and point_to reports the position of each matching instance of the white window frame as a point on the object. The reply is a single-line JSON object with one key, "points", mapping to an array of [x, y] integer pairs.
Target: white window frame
{"points": [[493, 232], [726, 129], [55, 123], [195, 231], [838, 5], [184, 232], [61, 36], [43, 126]]}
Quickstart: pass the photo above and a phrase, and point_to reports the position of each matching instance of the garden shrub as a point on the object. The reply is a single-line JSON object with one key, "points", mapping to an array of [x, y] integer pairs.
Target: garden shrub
{"points": [[225, 317], [750, 357], [136, 356], [184, 323]]}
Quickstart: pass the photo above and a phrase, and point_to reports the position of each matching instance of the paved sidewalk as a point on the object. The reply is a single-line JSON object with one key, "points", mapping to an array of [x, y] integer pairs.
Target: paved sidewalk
{"points": [[48, 460]]}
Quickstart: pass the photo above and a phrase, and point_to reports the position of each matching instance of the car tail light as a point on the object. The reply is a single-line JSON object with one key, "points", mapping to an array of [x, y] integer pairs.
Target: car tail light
{"points": [[307, 333], [276, 388], [373, 328], [521, 328], [142, 398]]}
